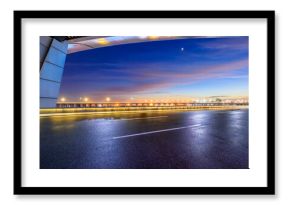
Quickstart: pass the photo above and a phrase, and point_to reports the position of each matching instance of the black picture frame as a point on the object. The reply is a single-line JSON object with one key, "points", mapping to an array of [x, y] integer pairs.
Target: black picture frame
{"points": [[269, 189]]}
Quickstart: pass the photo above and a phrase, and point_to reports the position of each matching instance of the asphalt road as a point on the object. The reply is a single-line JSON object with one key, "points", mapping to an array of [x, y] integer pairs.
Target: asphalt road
{"points": [[157, 140]]}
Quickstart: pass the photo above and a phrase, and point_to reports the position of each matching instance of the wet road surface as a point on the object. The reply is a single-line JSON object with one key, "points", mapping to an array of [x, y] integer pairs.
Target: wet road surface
{"points": [[156, 140]]}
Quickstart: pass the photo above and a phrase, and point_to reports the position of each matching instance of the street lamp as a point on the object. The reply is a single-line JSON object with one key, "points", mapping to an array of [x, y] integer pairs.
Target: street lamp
{"points": [[86, 99], [62, 99], [108, 99]]}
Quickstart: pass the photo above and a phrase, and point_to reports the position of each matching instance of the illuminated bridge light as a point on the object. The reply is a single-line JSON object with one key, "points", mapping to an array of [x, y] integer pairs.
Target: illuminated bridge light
{"points": [[102, 41], [153, 37], [117, 105]]}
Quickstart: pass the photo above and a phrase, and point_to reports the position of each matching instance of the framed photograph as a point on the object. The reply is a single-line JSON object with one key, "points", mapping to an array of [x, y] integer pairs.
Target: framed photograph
{"points": [[144, 102]]}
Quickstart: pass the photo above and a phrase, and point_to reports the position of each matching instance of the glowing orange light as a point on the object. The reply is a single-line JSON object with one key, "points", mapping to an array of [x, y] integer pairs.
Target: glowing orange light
{"points": [[153, 37], [62, 99], [86, 99], [103, 41]]}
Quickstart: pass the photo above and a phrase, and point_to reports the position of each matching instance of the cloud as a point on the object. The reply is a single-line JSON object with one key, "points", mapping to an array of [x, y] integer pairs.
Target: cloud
{"points": [[202, 72], [230, 43], [156, 80]]}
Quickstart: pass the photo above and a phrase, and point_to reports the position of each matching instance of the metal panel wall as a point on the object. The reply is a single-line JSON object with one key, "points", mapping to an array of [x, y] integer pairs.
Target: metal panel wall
{"points": [[45, 42], [51, 72]]}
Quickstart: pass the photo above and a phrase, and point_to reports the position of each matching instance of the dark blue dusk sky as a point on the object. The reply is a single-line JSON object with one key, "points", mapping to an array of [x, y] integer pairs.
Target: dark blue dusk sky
{"points": [[169, 69]]}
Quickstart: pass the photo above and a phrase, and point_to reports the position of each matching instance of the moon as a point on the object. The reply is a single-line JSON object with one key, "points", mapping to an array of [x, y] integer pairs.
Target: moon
{"points": [[182, 49]]}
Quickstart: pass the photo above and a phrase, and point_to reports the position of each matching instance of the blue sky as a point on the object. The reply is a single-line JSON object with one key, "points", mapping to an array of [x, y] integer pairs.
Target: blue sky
{"points": [[180, 68]]}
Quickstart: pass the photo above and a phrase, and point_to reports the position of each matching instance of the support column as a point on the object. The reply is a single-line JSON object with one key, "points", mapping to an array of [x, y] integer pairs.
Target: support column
{"points": [[52, 59]]}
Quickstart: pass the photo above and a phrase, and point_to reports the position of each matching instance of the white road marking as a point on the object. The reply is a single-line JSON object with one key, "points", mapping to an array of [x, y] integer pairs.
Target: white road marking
{"points": [[140, 118], [156, 131]]}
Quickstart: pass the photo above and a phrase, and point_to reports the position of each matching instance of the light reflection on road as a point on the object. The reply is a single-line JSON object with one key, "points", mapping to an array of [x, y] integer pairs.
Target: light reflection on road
{"points": [[169, 140]]}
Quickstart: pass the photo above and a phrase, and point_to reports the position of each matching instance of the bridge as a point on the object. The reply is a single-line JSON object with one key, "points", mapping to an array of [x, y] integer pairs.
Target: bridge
{"points": [[64, 108], [138, 104]]}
